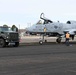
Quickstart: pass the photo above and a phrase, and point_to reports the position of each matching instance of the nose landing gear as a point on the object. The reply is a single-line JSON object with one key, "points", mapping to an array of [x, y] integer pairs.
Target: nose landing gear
{"points": [[42, 40]]}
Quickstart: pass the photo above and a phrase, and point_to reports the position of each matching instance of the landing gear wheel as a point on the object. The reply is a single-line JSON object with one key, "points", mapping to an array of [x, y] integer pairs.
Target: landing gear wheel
{"points": [[58, 40], [2, 43], [45, 41], [40, 42]]}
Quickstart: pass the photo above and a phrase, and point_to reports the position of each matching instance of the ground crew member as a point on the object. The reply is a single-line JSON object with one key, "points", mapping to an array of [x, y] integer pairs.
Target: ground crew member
{"points": [[67, 36]]}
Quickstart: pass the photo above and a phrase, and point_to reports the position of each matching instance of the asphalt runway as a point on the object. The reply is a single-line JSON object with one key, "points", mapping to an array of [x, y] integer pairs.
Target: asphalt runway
{"points": [[34, 39], [54, 59]]}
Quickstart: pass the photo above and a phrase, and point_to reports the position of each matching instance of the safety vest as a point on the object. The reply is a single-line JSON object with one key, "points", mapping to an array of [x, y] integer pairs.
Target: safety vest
{"points": [[67, 35]]}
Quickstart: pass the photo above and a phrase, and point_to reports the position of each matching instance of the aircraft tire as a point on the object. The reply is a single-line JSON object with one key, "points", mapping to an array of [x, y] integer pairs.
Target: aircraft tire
{"points": [[2, 43], [40, 42], [58, 40]]}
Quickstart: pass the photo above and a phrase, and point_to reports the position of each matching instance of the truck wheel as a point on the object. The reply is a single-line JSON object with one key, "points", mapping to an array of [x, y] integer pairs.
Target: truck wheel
{"points": [[16, 44], [2, 42]]}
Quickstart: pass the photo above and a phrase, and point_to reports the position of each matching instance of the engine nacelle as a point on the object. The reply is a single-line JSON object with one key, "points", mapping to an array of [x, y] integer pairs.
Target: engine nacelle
{"points": [[71, 22]]}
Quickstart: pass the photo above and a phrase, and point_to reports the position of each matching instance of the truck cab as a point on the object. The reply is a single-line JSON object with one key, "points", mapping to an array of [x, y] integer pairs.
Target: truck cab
{"points": [[8, 37]]}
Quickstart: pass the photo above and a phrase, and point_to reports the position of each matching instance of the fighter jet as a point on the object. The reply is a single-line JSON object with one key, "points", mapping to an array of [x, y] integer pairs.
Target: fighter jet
{"points": [[52, 29]]}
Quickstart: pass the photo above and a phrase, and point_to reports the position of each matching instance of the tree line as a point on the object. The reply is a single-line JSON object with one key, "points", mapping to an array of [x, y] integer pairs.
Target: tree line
{"points": [[14, 28]]}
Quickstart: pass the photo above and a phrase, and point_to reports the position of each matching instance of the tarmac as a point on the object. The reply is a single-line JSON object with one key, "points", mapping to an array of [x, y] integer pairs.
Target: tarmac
{"points": [[34, 40], [30, 58]]}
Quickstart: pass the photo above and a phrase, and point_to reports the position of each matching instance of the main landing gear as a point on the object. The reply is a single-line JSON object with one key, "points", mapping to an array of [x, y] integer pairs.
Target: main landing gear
{"points": [[58, 40]]}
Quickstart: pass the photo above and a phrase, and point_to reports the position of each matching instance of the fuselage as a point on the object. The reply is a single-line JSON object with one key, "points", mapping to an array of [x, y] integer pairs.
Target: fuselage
{"points": [[51, 28]]}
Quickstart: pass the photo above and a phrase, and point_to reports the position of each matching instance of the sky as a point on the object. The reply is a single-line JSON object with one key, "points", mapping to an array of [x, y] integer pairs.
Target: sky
{"points": [[24, 13]]}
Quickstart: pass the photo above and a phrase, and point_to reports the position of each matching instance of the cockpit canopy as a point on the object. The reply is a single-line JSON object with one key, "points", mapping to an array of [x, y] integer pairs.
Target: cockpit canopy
{"points": [[44, 22], [47, 21], [39, 22]]}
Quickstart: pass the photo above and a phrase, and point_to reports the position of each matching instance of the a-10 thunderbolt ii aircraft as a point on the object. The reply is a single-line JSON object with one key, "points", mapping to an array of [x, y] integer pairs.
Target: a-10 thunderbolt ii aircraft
{"points": [[52, 29]]}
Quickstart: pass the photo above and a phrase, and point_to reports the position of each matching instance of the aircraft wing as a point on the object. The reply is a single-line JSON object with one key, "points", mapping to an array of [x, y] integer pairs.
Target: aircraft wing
{"points": [[71, 31]]}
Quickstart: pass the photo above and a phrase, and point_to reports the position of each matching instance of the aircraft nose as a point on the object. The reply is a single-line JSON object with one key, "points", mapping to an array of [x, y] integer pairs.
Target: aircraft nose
{"points": [[27, 30]]}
